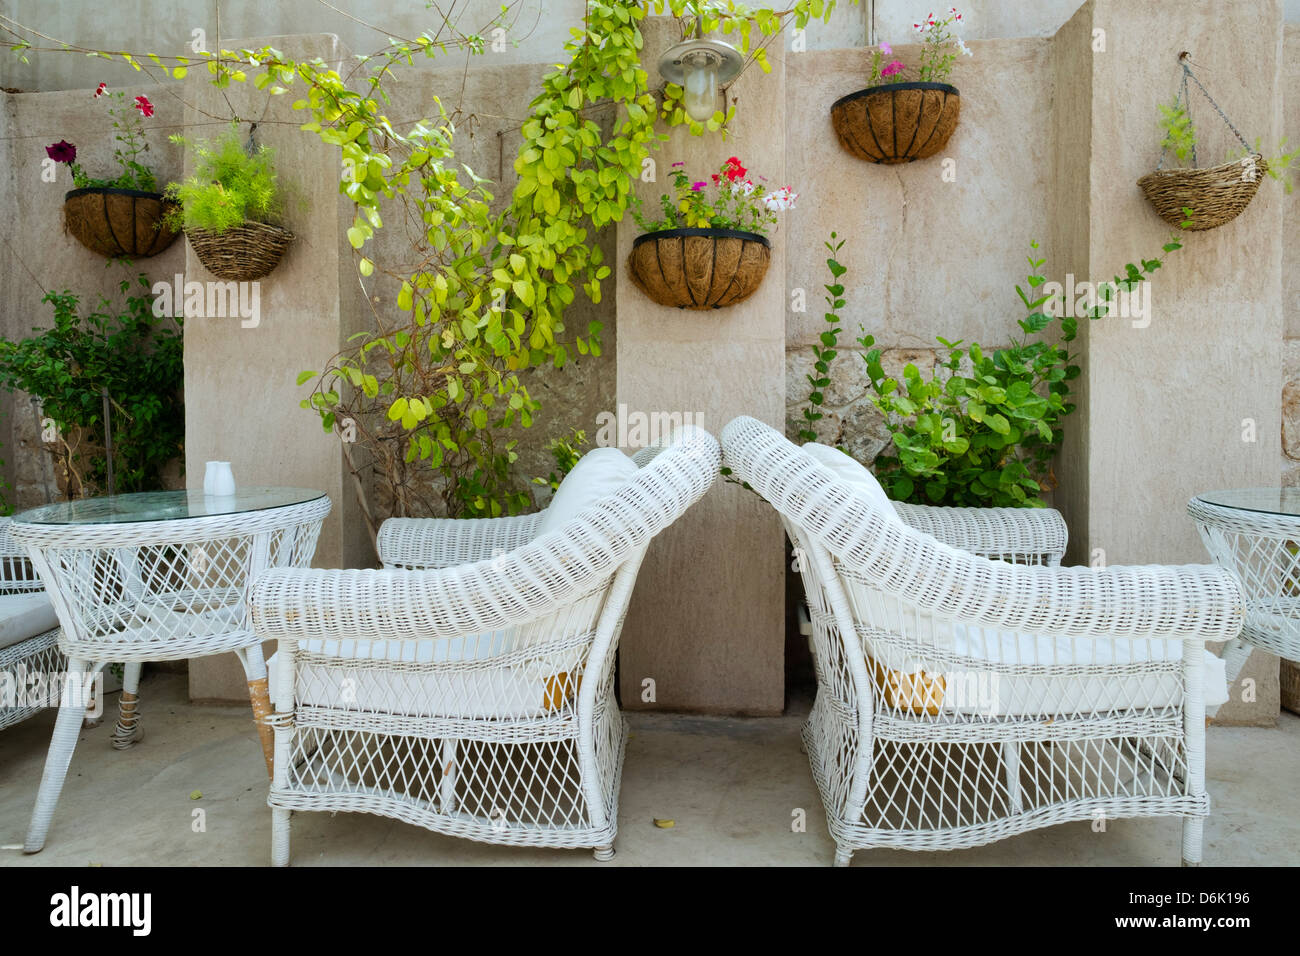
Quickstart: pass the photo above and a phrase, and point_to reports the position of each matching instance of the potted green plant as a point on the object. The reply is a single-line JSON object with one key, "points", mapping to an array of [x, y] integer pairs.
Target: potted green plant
{"points": [[709, 248], [905, 114], [228, 207], [123, 216]]}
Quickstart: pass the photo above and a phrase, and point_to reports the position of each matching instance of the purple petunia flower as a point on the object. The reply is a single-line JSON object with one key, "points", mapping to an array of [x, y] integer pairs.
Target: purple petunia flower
{"points": [[696, 187], [62, 152]]}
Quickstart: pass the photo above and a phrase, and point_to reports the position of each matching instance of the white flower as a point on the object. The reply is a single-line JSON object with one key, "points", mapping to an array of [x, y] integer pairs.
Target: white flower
{"points": [[918, 27], [743, 189], [782, 199], [961, 45]]}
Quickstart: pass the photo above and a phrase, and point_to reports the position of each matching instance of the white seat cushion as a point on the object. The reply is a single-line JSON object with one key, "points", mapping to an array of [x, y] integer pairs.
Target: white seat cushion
{"points": [[512, 688], [983, 686], [852, 471], [24, 616], [598, 473]]}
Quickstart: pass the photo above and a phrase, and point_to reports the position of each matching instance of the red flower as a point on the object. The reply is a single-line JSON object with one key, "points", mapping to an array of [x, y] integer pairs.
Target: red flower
{"points": [[62, 152], [732, 169], [100, 90], [143, 105], [716, 178]]}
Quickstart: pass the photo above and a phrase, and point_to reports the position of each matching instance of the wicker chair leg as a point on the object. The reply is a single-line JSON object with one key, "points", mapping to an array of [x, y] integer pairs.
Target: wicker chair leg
{"points": [[1193, 831], [604, 854], [66, 730], [129, 731], [279, 836], [447, 783], [1011, 758], [843, 856]]}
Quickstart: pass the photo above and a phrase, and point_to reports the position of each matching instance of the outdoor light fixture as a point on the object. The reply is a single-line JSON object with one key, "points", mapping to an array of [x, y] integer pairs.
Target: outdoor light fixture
{"points": [[699, 66]]}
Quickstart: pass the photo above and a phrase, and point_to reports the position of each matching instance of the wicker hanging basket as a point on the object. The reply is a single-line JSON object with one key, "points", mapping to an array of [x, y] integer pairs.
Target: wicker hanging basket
{"points": [[241, 253], [1197, 199], [897, 122], [699, 268], [1214, 196], [119, 222]]}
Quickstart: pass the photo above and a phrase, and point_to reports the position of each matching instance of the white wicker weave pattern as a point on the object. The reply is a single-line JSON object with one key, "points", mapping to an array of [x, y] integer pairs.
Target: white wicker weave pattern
{"points": [[151, 591], [36, 655], [962, 700], [469, 686], [1264, 549]]}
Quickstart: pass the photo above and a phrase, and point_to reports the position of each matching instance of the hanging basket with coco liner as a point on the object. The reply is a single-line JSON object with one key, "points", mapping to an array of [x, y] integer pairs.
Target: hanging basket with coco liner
{"points": [[241, 253], [897, 122], [699, 268], [1197, 199], [118, 222]]}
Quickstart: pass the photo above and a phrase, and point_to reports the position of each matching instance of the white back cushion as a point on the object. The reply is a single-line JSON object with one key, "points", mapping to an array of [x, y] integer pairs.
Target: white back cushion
{"points": [[600, 472], [846, 469]]}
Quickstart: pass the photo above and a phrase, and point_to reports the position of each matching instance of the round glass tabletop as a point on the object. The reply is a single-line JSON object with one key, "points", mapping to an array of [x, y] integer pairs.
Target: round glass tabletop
{"points": [[1277, 501], [164, 506]]}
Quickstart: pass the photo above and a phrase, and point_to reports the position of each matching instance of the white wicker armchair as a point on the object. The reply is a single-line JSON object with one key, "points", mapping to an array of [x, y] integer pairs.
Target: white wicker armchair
{"points": [[962, 700], [469, 686], [29, 632]]}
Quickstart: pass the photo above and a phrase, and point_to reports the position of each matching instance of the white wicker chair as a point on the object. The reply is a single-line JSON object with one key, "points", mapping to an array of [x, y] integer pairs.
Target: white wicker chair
{"points": [[29, 631], [469, 686], [962, 700]]}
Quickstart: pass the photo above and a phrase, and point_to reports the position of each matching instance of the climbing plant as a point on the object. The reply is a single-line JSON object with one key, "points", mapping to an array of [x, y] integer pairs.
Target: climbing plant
{"points": [[440, 380]]}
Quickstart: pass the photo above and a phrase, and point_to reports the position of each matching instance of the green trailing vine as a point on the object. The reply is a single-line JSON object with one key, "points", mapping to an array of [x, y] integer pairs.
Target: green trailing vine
{"points": [[825, 352]]}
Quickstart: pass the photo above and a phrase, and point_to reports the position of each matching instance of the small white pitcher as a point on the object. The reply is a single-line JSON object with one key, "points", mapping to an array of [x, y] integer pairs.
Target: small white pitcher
{"points": [[218, 479]]}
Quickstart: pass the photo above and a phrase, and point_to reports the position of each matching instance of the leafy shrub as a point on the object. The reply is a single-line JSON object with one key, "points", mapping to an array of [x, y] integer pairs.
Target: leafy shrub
{"points": [[982, 431], [136, 356]]}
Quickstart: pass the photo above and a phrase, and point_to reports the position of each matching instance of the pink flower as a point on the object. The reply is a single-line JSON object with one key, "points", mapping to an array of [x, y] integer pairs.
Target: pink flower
{"points": [[678, 163], [144, 106], [892, 68], [696, 187], [101, 90], [886, 49], [62, 152]]}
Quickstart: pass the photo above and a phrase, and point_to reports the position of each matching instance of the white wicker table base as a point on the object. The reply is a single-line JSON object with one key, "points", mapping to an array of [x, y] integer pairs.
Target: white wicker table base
{"points": [[1263, 549], [150, 590]]}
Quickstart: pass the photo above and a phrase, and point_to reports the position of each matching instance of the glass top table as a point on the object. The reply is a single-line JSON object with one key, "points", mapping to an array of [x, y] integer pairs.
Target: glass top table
{"points": [[1275, 501], [158, 575], [164, 506]]}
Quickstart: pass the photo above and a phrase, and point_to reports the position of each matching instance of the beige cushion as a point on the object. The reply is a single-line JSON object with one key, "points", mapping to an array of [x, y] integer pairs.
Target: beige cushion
{"points": [[24, 616]]}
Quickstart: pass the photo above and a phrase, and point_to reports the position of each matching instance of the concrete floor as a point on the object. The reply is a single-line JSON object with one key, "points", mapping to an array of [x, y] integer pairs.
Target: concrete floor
{"points": [[730, 785]]}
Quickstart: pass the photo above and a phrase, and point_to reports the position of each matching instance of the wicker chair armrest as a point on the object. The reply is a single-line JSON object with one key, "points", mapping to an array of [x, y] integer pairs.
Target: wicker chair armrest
{"points": [[447, 542], [500, 591], [1191, 601], [1019, 535]]}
